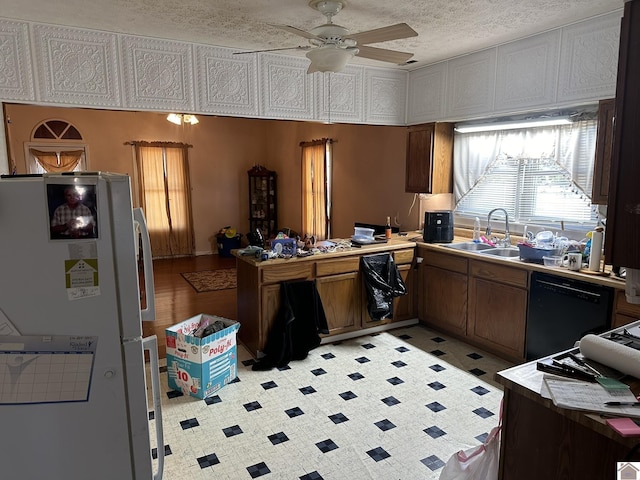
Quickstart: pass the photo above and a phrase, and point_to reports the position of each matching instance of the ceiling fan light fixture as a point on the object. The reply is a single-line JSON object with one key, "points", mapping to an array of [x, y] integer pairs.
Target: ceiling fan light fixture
{"points": [[175, 118], [178, 118], [190, 119], [329, 58]]}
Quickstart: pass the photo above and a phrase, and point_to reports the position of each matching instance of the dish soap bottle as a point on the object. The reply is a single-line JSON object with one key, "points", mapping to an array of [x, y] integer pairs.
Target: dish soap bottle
{"points": [[387, 228], [476, 230]]}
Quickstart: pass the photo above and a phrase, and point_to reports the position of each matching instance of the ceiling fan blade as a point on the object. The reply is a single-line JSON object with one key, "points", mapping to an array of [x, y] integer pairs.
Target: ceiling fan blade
{"points": [[296, 31], [299, 47], [384, 34], [383, 55]]}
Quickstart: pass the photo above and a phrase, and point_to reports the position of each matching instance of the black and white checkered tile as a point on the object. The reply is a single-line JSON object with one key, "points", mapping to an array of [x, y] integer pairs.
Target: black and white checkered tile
{"points": [[394, 405]]}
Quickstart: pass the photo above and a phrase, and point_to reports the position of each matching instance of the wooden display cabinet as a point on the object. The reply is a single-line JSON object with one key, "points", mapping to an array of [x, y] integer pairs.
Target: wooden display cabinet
{"points": [[263, 207]]}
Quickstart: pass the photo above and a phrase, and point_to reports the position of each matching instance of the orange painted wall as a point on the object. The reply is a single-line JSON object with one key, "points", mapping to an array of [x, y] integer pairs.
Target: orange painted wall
{"points": [[368, 177]]}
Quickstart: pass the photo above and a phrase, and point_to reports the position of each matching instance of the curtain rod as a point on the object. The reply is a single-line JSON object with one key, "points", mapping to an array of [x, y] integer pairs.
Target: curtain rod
{"points": [[157, 144], [317, 142]]}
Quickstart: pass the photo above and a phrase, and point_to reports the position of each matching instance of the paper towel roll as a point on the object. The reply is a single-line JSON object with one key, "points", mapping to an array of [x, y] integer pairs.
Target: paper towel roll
{"points": [[596, 250], [622, 358], [632, 285]]}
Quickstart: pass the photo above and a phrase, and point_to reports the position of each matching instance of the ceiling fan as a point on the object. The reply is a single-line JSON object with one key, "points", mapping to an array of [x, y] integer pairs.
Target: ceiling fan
{"points": [[332, 46]]}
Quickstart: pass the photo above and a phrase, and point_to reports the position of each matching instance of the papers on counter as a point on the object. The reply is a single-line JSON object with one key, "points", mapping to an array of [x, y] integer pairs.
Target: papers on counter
{"points": [[589, 397]]}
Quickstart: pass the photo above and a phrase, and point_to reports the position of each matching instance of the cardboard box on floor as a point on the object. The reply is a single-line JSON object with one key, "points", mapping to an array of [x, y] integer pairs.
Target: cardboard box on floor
{"points": [[201, 366]]}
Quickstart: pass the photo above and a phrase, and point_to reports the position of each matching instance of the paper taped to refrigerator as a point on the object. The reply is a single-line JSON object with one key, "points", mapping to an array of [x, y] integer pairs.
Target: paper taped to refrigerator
{"points": [[45, 369]]}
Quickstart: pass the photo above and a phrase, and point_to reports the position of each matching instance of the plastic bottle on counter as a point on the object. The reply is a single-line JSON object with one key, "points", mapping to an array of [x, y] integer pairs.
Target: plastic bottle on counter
{"points": [[476, 230], [387, 228]]}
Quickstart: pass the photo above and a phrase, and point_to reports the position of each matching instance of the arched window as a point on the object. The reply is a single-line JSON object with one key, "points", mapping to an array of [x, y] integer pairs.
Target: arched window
{"points": [[56, 146]]}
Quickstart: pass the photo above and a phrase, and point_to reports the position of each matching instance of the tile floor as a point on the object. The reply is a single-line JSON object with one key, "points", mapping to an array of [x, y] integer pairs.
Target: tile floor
{"points": [[394, 405]]}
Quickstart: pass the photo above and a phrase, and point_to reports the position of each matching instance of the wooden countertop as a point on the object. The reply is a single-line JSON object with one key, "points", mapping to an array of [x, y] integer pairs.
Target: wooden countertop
{"points": [[413, 239], [395, 243], [606, 280]]}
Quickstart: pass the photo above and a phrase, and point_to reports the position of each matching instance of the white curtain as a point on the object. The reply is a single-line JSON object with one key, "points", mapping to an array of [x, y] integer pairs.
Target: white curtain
{"points": [[571, 146]]}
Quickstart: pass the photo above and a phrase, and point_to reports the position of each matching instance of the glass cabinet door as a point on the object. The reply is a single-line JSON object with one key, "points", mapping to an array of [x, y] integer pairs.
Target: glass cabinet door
{"points": [[263, 207]]}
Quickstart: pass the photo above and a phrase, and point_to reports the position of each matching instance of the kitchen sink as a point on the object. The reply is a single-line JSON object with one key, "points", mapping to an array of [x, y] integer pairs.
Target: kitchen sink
{"points": [[502, 252], [468, 246]]}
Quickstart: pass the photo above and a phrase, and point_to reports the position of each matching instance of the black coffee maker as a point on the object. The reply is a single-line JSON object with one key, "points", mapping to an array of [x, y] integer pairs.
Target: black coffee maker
{"points": [[255, 238]]}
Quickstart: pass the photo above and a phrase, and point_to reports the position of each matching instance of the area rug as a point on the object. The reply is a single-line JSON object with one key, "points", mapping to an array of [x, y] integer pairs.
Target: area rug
{"points": [[210, 280]]}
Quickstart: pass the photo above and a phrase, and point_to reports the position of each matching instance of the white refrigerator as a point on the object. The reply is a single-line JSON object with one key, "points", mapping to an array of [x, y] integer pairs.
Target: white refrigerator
{"points": [[73, 387]]}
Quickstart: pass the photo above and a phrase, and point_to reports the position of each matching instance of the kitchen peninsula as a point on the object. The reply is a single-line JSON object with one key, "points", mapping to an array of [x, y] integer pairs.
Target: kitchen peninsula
{"points": [[339, 284], [540, 440]]}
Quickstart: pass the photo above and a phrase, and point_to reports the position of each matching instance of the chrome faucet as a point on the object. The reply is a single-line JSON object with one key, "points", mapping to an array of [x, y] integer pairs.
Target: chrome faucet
{"points": [[506, 241]]}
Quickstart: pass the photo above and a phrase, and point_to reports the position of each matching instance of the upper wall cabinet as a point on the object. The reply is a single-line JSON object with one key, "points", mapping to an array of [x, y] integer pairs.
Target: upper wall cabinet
{"points": [[39, 64], [623, 219], [567, 66], [527, 72], [589, 60], [427, 91], [604, 149], [471, 84], [429, 166]]}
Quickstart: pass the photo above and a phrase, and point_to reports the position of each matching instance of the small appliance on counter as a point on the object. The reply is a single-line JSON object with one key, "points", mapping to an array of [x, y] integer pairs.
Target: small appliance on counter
{"points": [[438, 226]]}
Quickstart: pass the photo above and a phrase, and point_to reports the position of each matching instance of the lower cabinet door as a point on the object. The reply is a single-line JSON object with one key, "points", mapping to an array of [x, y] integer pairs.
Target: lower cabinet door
{"points": [[497, 317], [340, 296], [403, 308], [443, 303]]}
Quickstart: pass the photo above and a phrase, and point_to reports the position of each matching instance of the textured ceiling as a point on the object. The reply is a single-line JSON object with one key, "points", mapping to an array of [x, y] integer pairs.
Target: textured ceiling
{"points": [[446, 28]]}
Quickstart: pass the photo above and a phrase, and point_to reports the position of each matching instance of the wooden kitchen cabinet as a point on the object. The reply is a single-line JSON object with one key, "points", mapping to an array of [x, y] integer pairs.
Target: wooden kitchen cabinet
{"points": [[429, 158], [623, 311], [498, 308], [404, 306], [604, 150], [340, 296], [623, 221], [338, 282], [443, 300]]}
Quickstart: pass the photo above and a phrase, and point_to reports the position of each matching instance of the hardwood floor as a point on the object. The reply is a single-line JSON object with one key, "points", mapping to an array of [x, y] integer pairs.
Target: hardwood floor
{"points": [[176, 300]]}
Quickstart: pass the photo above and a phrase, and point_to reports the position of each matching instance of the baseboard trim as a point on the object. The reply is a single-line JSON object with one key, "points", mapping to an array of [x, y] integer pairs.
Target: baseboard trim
{"points": [[368, 331]]}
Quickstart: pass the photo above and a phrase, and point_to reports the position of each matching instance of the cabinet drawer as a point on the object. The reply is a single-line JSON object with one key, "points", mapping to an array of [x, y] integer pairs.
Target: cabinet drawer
{"points": [[403, 256], [446, 261], [332, 267], [287, 271], [499, 273]]}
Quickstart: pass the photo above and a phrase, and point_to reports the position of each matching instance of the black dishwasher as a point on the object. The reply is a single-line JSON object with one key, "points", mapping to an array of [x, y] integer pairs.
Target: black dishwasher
{"points": [[561, 311]]}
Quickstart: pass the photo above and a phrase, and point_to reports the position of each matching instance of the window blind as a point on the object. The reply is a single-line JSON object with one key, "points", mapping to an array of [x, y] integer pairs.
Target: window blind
{"points": [[538, 175]]}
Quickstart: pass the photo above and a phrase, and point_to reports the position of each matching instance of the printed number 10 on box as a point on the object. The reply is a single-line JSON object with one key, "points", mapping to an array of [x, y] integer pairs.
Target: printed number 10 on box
{"points": [[201, 366]]}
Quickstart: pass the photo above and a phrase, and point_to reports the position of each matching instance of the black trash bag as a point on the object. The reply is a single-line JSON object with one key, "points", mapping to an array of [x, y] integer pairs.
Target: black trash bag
{"points": [[383, 283], [296, 328]]}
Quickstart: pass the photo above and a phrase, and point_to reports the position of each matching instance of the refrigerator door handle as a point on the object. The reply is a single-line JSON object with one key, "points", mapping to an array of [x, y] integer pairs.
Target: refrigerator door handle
{"points": [[150, 344], [148, 313]]}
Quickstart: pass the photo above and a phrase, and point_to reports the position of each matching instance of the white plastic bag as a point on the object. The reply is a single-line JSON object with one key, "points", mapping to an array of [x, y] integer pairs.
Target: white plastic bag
{"points": [[476, 463]]}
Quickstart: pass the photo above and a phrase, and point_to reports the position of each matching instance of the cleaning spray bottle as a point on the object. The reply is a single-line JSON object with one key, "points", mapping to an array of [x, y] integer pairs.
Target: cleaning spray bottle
{"points": [[476, 230]]}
